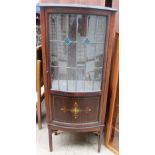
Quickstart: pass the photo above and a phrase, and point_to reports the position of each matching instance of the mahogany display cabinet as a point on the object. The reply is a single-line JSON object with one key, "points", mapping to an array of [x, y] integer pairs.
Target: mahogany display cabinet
{"points": [[77, 45]]}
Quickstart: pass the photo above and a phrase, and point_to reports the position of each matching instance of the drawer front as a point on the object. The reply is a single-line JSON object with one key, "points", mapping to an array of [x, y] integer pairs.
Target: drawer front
{"points": [[75, 110]]}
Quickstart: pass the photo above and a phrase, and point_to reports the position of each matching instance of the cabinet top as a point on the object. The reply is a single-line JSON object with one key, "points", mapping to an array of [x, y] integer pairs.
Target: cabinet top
{"points": [[85, 2], [77, 6]]}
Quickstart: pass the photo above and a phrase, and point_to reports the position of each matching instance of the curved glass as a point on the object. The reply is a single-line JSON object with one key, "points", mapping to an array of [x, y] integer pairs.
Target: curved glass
{"points": [[76, 46]]}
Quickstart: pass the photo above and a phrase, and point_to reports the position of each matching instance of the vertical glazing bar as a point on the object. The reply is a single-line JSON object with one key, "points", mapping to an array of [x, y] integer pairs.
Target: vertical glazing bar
{"points": [[96, 26], [67, 25], [84, 69], [85, 54], [76, 27], [76, 50], [57, 48], [58, 78], [75, 78]]}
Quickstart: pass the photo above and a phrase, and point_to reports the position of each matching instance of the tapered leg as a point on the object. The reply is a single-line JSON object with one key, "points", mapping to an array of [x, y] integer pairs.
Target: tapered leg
{"points": [[50, 140], [100, 136]]}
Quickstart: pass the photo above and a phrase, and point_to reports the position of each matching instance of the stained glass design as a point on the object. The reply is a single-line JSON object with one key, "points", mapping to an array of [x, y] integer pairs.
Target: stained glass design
{"points": [[76, 47], [86, 41], [67, 41]]}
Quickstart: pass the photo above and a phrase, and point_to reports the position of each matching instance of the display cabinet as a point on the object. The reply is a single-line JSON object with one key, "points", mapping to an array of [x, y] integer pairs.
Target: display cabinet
{"points": [[77, 46]]}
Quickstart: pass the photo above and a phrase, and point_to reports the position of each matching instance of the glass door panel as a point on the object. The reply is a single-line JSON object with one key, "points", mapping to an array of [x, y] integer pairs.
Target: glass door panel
{"points": [[76, 47], [71, 79], [80, 79]]}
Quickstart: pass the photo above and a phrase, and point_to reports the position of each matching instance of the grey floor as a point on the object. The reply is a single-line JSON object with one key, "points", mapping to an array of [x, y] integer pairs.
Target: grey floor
{"points": [[68, 143]]}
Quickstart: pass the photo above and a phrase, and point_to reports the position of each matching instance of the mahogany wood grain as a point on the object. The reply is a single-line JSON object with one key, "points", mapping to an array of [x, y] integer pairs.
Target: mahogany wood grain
{"points": [[44, 54], [107, 63], [100, 134], [50, 139], [74, 94], [74, 129], [88, 109], [77, 125], [77, 11]]}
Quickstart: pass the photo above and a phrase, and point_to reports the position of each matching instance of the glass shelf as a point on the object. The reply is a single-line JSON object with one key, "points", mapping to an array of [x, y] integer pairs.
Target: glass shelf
{"points": [[76, 47]]}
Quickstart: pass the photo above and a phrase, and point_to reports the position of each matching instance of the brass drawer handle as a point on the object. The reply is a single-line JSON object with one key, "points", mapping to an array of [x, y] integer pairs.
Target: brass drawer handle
{"points": [[75, 110]]}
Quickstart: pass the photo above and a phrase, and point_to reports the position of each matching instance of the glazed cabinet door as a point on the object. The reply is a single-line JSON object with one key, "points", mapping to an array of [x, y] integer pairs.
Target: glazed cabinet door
{"points": [[76, 45]]}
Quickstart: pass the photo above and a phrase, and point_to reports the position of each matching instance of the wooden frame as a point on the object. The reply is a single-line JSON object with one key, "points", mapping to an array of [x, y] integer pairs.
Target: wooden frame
{"points": [[79, 127], [39, 84], [113, 93]]}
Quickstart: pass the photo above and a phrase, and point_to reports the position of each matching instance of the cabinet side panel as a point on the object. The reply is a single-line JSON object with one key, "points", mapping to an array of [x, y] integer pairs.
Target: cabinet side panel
{"points": [[110, 40], [45, 76]]}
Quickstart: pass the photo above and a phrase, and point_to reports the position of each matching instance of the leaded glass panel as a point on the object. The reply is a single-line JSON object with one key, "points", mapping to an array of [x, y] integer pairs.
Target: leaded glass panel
{"points": [[76, 47]]}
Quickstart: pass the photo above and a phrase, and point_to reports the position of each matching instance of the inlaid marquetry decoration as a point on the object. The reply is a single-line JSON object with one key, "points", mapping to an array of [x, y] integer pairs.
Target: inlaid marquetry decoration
{"points": [[75, 110]]}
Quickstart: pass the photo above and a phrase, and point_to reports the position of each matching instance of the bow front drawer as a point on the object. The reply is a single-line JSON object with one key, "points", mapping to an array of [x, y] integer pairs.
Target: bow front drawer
{"points": [[75, 109]]}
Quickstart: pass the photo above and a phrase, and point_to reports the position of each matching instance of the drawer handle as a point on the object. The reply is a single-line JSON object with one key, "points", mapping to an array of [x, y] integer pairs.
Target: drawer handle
{"points": [[75, 110]]}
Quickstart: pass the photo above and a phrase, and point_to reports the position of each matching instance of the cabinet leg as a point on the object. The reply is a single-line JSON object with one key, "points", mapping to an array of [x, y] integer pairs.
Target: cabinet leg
{"points": [[100, 136], [50, 140]]}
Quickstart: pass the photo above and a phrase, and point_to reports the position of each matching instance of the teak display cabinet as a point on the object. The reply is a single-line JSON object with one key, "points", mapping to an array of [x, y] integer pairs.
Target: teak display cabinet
{"points": [[77, 47]]}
